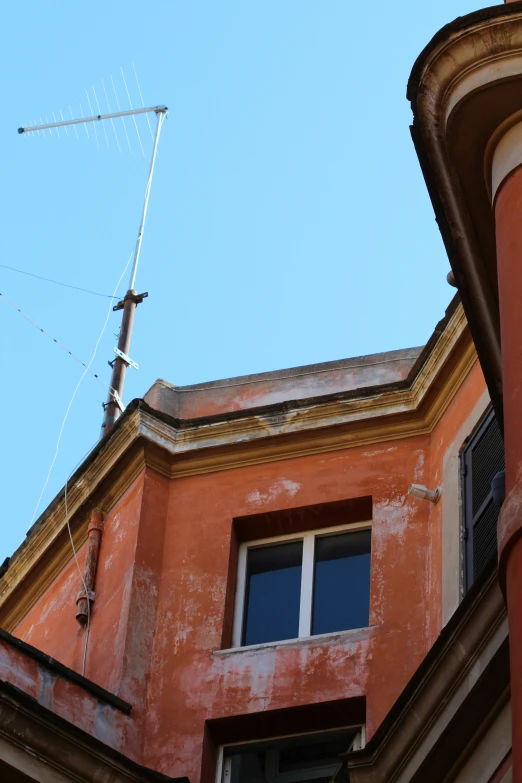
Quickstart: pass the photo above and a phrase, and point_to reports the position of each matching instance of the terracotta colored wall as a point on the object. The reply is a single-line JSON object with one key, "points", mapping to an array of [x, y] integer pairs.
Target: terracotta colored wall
{"points": [[51, 624], [442, 439], [65, 698], [192, 680], [299, 383], [158, 620]]}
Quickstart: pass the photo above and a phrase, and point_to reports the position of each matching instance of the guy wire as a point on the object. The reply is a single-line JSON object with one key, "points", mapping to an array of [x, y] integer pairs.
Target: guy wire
{"points": [[84, 373], [57, 282], [75, 555], [61, 345]]}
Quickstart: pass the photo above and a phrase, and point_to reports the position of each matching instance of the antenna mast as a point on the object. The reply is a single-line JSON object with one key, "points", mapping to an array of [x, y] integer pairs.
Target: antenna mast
{"points": [[113, 408], [114, 405]]}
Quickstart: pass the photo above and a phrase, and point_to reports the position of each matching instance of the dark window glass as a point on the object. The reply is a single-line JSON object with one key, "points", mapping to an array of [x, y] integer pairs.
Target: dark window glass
{"points": [[312, 758], [341, 598], [482, 459], [273, 592], [319, 751]]}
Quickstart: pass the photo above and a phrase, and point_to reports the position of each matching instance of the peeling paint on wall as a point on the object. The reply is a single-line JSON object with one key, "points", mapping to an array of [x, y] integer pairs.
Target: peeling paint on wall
{"points": [[160, 608], [283, 487]]}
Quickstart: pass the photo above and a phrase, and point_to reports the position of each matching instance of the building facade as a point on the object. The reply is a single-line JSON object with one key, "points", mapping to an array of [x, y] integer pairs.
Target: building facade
{"points": [[264, 582], [238, 584]]}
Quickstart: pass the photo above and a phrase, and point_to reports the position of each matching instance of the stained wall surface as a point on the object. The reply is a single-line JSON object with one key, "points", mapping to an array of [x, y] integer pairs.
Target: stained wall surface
{"points": [[162, 608], [298, 383]]}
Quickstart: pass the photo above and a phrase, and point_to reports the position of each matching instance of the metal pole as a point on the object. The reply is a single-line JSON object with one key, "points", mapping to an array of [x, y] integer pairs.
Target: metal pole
{"points": [[157, 109], [161, 117], [119, 366], [113, 407]]}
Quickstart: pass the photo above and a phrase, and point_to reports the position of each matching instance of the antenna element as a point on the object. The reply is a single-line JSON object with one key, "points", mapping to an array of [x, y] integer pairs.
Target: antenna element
{"points": [[113, 406]]}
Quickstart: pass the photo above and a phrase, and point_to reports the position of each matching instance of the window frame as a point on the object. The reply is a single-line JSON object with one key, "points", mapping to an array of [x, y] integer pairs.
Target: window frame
{"points": [[358, 743], [307, 577], [468, 517]]}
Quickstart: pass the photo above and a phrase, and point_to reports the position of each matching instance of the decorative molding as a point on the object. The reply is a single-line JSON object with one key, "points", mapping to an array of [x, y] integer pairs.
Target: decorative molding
{"points": [[444, 697], [145, 440], [463, 87]]}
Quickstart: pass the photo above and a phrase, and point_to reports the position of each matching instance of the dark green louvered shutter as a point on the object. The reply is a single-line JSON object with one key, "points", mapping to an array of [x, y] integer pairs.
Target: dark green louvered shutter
{"points": [[482, 458]]}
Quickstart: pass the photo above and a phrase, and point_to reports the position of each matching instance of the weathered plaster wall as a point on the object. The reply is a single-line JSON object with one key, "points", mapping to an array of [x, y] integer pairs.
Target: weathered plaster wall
{"points": [[51, 623], [458, 421], [157, 623], [65, 698], [192, 680], [252, 391]]}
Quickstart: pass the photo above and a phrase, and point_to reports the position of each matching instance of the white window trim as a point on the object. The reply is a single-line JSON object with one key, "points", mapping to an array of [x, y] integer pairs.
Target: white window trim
{"points": [[307, 577], [358, 743]]}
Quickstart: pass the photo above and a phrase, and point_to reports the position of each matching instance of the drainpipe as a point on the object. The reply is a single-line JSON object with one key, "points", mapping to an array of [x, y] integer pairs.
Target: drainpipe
{"points": [[85, 599]]}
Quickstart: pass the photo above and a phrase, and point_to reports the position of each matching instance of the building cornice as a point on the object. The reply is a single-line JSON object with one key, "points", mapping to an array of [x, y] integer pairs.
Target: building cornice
{"points": [[464, 85], [462, 682], [144, 439]]}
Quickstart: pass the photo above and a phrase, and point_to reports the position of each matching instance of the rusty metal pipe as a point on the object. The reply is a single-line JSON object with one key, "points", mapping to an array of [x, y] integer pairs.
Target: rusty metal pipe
{"points": [[86, 594], [119, 367]]}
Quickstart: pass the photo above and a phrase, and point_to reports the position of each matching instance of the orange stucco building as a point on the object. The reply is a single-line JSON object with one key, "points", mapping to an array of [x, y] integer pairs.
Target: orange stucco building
{"points": [[295, 576], [189, 478]]}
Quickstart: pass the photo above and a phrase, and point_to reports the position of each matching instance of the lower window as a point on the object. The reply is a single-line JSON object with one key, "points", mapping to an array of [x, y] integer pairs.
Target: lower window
{"points": [[297, 586], [314, 758]]}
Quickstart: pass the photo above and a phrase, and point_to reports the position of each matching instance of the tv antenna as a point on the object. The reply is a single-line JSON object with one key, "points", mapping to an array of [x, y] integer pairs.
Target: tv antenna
{"points": [[114, 407]]}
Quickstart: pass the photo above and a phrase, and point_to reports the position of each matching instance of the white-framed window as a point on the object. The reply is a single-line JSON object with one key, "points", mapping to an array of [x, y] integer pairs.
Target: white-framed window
{"points": [[289, 759], [301, 585]]}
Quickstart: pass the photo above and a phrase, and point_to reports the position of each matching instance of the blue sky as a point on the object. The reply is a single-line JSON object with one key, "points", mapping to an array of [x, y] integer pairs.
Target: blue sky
{"points": [[288, 223]]}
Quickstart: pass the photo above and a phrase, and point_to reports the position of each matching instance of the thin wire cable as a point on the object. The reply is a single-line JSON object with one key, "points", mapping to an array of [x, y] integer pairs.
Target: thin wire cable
{"points": [[56, 282], [57, 130], [67, 521], [94, 126], [63, 120], [75, 555], [123, 118], [61, 345], [110, 112], [142, 101], [99, 112], [72, 118], [85, 124], [161, 117], [133, 117], [84, 373]]}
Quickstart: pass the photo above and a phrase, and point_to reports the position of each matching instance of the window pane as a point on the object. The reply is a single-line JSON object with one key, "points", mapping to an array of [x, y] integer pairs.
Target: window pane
{"points": [[482, 458], [315, 752], [341, 598], [273, 591], [311, 758]]}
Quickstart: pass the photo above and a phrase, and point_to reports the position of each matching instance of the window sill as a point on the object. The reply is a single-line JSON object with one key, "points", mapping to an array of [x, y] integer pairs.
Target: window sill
{"points": [[354, 634]]}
